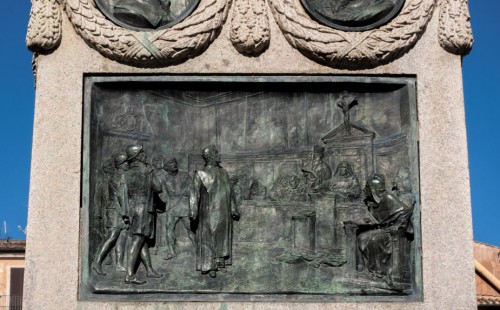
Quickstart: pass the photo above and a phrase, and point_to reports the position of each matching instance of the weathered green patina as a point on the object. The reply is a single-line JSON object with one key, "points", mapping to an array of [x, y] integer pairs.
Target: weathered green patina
{"points": [[277, 209]]}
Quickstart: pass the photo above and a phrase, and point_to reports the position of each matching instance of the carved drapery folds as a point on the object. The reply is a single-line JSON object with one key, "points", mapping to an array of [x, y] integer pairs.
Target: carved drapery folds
{"points": [[250, 33], [44, 28], [455, 33], [352, 50], [149, 48]]}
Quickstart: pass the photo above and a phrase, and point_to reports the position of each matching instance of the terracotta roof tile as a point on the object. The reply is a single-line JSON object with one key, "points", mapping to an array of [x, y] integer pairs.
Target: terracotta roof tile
{"points": [[488, 300]]}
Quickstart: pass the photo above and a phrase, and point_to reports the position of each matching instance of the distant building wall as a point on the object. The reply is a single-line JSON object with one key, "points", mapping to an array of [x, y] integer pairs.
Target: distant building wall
{"points": [[12, 262], [6, 264]]}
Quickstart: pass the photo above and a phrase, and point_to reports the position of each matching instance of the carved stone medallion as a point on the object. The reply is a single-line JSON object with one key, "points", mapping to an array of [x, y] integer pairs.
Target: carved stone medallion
{"points": [[148, 48], [146, 14], [353, 15], [353, 50]]}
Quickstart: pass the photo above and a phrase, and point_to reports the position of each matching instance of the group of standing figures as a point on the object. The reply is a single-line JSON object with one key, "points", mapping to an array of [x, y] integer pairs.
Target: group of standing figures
{"points": [[207, 204], [131, 190]]}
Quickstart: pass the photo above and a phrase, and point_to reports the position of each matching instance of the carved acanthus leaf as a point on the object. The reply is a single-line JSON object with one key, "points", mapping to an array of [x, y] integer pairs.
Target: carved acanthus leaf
{"points": [[352, 50], [455, 33], [149, 48], [44, 28], [250, 33]]}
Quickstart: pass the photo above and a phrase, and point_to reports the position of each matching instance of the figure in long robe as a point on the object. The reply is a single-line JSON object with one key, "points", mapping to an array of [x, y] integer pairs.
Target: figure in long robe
{"points": [[389, 215], [210, 205]]}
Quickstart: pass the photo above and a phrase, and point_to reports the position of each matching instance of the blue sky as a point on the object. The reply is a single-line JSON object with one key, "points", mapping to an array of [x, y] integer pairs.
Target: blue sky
{"points": [[481, 69], [481, 80]]}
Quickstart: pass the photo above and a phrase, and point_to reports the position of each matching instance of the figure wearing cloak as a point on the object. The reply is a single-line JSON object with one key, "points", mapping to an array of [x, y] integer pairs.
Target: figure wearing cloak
{"points": [[210, 203], [389, 216]]}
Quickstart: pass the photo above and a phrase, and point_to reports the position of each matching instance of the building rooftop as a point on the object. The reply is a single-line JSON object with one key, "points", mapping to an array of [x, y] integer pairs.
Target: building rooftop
{"points": [[12, 246], [487, 288]]}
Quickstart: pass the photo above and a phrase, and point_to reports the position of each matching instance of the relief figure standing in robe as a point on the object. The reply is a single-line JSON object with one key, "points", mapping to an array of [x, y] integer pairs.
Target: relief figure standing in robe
{"points": [[210, 204]]}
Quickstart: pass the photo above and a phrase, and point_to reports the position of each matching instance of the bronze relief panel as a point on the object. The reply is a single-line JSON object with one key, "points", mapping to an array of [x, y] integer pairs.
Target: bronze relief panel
{"points": [[250, 188]]}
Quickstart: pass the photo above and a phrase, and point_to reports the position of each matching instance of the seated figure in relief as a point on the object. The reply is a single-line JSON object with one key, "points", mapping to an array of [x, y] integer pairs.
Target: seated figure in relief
{"points": [[389, 216], [344, 184]]}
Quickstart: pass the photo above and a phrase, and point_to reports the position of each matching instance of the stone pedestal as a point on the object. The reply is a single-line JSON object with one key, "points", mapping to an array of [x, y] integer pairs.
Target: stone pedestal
{"points": [[415, 57], [304, 232]]}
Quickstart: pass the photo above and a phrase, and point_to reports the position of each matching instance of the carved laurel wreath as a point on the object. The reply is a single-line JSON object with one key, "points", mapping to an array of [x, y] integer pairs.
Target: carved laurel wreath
{"points": [[250, 32], [455, 33], [352, 50], [148, 48], [44, 28]]}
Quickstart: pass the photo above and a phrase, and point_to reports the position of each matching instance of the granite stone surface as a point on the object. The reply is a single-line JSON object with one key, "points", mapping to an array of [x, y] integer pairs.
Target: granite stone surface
{"points": [[53, 241]]}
